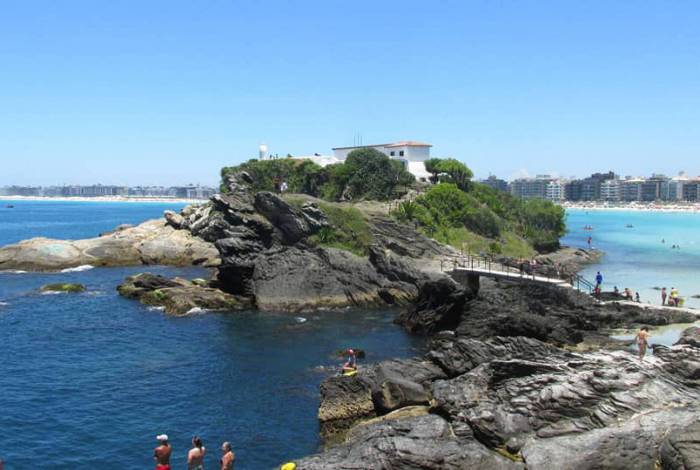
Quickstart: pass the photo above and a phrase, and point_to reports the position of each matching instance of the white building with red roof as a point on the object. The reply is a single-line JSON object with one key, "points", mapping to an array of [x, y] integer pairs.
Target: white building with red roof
{"points": [[413, 154]]}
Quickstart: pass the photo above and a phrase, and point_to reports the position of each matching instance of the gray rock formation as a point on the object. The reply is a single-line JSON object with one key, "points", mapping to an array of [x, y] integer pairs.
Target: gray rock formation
{"points": [[264, 246], [690, 336], [153, 242], [420, 442], [540, 406], [178, 296]]}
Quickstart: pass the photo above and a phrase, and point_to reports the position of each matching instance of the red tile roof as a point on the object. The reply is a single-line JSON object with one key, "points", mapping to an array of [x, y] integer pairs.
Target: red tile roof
{"points": [[409, 143], [403, 143]]}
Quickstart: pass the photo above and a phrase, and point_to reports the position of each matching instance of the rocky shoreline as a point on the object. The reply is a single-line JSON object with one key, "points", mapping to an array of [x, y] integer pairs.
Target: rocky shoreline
{"points": [[506, 389], [516, 375]]}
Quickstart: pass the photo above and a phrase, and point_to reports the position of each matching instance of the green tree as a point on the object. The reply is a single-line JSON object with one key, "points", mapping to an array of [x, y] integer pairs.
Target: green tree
{"points": [[431, 166], [456, 172], [374, 175]]}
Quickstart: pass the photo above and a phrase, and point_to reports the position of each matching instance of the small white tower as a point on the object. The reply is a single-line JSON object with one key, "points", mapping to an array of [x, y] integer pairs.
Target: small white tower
{"points": [[262, 152]]}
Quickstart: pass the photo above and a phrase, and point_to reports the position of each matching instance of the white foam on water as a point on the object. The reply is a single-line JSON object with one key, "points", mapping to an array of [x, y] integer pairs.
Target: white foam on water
{"points": [[4, 304], [154, 309], [52, 292], [300, 319], [196, 310], [13, 271], [77, 269]]}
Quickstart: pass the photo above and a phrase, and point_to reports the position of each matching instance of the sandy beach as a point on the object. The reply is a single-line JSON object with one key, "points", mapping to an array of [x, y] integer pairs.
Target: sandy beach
{"points": [[634, 206], [104, 199]]}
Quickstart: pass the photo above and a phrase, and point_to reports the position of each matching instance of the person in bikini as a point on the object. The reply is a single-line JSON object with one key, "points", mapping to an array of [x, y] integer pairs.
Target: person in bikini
{"points": [[162, 453], [195, 457], [643, 341]]}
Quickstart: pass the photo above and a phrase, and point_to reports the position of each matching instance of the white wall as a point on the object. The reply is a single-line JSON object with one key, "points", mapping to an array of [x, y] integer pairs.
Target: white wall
{"points": [[342, 154]]}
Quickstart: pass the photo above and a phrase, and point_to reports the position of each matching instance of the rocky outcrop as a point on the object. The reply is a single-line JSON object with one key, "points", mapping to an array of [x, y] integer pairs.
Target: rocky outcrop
{"points": [[567, 261], [267, 255], [63, 287], [517, 402], [680, 449], [425, 442], [153, 242], [178, 296], [439, 306], [554, 314], [296, 279], [690, 336]]}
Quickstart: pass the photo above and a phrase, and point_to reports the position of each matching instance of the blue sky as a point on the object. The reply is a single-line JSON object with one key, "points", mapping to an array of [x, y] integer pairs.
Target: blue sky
{"points": [[167, 92]]}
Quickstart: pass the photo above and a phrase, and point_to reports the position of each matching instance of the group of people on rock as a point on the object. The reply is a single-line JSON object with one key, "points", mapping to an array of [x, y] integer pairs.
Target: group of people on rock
{"points": [[195, 456], [627, 294], [671, 299]]}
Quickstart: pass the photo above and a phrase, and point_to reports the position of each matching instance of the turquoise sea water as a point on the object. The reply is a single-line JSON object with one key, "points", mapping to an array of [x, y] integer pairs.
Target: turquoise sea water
{"points": [[88, 380], [636, 257]]}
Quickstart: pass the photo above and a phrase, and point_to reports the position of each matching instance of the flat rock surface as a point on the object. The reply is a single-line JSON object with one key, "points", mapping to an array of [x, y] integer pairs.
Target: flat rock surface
{"points": [[152, 242]]}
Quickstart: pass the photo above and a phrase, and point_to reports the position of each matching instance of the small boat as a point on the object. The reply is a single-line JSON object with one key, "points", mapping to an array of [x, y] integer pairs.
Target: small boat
{"points": [[629, 226]]}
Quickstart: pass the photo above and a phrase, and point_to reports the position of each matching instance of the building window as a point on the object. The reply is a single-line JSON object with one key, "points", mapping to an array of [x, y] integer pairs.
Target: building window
{"points": [[392, 154], [400, 153]]}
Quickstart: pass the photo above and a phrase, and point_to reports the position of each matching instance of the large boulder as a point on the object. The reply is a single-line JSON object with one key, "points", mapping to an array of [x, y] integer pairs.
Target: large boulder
{"points": [[419, 442], [680, 449], [152, 242], [344, 401], [63, 287], [439, 306], [179, 296], [295, 279], [690, 336], [291, 223]]}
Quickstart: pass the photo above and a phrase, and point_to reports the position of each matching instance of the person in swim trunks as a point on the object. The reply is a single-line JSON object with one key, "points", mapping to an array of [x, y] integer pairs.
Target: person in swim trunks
{"points": [[228, 456], [161, 454]]}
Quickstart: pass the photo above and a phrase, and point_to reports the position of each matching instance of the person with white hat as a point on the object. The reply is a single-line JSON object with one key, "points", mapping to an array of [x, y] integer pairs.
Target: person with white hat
{"points": [[161, 454]]}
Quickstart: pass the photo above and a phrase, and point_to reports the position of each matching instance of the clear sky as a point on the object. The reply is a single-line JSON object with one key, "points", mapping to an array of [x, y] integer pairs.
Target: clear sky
{"points": [[167, 92]]}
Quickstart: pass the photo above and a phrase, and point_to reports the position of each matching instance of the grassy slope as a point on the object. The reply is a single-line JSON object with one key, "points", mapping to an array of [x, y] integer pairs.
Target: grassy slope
{"points": [[350, 230], [509, 243]]}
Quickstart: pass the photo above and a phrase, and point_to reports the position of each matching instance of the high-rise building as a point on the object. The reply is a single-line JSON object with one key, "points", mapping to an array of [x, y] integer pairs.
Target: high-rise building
{"points": [[610, 190], [496, 183], [531, 188], [555, 191], [631, 189]]}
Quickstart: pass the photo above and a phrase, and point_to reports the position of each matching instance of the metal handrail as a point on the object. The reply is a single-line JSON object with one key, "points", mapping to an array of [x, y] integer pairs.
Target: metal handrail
{"points": [[488, 264]]}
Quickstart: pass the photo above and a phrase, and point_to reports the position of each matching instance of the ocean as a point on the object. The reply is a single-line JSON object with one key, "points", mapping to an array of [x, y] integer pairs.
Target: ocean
{"points": [[638, 250], [88, 380]]}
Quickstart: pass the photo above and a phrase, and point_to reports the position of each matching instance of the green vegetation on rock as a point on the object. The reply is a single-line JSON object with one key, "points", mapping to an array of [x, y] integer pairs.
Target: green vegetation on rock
{"points": [[63, 287], [348, 230], [456, 210], [365, 174], [483, 220]]}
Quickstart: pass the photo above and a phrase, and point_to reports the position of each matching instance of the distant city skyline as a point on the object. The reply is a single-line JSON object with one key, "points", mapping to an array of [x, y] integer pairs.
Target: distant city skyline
{"points": [[169, 92]]}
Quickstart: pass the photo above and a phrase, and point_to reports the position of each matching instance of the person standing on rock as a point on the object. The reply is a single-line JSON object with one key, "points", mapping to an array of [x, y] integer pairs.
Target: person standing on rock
{"points": [[162, 453], [598, 279], [643, 341], [228, 458], [663, 296]]}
